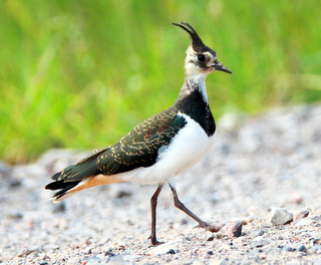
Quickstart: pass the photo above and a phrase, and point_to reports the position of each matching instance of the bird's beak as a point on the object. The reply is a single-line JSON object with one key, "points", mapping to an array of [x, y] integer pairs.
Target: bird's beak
{"points": [[221, 67]]}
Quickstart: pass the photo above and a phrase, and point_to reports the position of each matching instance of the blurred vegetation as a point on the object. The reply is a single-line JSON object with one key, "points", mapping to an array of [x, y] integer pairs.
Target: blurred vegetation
{"points": [[81, 74]]}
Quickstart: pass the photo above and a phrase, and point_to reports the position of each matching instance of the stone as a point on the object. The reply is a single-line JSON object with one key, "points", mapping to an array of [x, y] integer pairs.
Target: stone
{"points": [[301, 215], [171, 251], [123, 194], [59, 207], [303, 248], [259, 242], [15, 215], [27, 250], [290, 249], [316, 242], [219, 235], [281, 217], [234, 229], [255, 233], [14, 183]]}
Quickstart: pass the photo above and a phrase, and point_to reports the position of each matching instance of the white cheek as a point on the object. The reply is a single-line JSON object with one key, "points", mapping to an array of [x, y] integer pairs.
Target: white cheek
{"points": [[191, 69]]}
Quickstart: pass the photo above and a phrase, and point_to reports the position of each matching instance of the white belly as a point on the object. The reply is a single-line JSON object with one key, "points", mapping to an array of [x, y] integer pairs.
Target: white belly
{"points": [[188, 147]]}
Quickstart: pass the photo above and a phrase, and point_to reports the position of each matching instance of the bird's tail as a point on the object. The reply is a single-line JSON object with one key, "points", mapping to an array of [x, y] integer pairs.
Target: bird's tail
{"points": [[83, 175]]}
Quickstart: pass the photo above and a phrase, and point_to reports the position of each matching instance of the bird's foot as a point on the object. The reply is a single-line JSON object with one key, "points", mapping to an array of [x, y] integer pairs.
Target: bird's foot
{"points": [[154, 241], [210, 228]]}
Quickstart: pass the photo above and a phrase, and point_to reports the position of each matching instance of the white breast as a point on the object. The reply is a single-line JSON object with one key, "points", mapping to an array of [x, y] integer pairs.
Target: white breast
{"points": [[188, 147]]}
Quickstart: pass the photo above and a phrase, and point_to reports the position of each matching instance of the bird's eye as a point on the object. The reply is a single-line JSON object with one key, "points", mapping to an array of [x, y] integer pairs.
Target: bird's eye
{"points": [[201, 58]]}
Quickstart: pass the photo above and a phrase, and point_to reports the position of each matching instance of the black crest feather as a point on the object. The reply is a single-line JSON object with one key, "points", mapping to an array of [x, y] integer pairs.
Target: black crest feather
{"points": [[197, 43]]}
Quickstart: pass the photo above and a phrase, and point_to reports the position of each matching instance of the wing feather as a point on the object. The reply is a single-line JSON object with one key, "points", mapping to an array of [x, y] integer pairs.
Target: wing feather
{"points": [[140, 147]]}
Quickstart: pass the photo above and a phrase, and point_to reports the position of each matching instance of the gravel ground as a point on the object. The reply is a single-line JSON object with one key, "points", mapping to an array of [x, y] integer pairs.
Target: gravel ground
{"points": [[261, 183]]}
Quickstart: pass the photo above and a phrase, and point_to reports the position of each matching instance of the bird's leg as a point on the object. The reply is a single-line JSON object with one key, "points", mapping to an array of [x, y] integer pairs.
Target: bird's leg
{"points": [[153, 202], [183, 208]]}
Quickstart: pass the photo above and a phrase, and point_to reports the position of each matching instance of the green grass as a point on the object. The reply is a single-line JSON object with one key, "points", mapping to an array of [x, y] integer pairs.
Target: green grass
{"points": [[81, 74]]}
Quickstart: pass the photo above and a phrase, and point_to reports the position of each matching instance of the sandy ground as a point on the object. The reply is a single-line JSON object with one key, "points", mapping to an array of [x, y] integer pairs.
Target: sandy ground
{"points": [[258, 165]]}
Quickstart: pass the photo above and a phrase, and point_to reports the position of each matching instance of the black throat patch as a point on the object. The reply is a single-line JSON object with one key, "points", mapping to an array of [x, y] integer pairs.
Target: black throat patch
{"points": [[197, 109]]}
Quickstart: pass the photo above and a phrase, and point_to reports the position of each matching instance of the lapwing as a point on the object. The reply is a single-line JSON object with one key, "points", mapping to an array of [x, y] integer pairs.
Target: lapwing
{"points": [[159, 148]]}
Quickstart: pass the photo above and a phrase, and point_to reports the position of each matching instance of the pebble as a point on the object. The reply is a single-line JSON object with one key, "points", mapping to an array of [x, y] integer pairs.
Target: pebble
{"points": [[255, 233], [123, 194], [303, 248], [301, 215], [59, 207], [15, 215], [266, 226], [210, 238], [259, 241], [14, 183], [281, 217], [234, 229], [171, 251], [27, 250], [219, 235], [290, 249], [109, 253], [316, 242]]}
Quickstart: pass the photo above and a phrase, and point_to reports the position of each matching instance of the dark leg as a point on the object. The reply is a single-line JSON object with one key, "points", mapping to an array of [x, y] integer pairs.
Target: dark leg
{"points": [[183, 208], [153, 202]]}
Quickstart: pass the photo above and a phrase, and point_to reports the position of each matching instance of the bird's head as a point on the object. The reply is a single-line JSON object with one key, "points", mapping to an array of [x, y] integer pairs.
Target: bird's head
{"points": [[200, 59]]}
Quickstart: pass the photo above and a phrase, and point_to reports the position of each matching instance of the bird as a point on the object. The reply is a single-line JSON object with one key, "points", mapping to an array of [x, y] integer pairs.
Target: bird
{"points": [[159, 148]]}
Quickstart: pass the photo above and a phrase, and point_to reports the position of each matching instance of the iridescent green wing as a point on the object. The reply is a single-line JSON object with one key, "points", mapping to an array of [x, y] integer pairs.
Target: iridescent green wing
{"points": [[140, 147]]}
